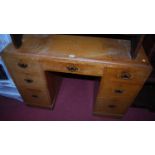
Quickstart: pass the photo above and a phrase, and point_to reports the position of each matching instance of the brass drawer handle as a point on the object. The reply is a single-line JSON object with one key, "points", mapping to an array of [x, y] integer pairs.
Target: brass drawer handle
{"points": [[119, 91], [28, 80], [125, 76], [72, 68], [22, 65], [34, 96]]}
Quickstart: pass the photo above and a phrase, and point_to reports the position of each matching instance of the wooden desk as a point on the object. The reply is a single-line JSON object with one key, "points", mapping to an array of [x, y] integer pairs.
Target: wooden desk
{"points": [[35, 66]]}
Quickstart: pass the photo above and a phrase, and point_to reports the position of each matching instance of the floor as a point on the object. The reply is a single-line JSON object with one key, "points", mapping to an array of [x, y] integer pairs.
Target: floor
{"points": [[74, 103]]}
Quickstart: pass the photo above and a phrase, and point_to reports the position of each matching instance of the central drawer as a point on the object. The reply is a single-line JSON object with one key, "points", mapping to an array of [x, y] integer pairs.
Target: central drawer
{"points": [[74, 68]]}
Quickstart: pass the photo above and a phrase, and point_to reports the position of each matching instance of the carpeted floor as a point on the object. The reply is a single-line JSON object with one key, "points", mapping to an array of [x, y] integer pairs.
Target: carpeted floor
{"points": [[74, 103]]}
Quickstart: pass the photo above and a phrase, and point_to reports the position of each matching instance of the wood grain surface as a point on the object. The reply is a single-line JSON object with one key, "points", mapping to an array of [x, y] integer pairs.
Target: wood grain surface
{"points": [[33, 65]]}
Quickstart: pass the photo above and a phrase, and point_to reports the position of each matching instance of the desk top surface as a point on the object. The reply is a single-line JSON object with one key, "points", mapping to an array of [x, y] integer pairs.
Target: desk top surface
{"points": [[79, 48]]}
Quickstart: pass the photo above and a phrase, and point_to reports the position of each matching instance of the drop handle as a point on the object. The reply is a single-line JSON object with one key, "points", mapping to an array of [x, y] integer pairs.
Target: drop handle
{"points": [[22, 65], [112, 106], [34, 96], [119, 91], [72, 68], [28, 80], [125, 76]]}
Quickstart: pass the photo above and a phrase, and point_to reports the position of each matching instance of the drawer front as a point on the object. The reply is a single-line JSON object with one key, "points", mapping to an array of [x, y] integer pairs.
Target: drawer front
{"points": [[114, 105], [36, 97], [128, 75], [30, 81], [75, 68], [22, 64], [115, 100], [119, 89]]}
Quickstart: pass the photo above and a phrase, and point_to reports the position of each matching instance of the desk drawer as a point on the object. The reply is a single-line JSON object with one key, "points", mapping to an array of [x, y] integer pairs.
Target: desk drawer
{"points": [[124, 100], [120, 89], [22, 64], [36, 97], [128, 74], [30, 80], [75, 68], [113, 105]]}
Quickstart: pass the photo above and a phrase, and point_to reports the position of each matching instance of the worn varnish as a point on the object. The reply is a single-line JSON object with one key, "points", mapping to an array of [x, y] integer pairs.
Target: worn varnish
{"points": [[121, 77]]}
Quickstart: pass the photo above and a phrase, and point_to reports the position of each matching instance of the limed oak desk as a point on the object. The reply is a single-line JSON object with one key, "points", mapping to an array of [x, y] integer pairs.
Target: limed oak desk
{"points": [[35, 66]]}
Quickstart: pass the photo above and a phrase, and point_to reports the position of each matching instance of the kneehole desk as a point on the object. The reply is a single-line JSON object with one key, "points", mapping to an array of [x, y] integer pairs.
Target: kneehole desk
{"points": [[35, 65]]}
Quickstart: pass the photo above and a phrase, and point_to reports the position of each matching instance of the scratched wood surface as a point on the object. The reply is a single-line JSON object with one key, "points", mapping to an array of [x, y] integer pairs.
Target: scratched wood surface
{"points": [[80, 48], [121, 78]]}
